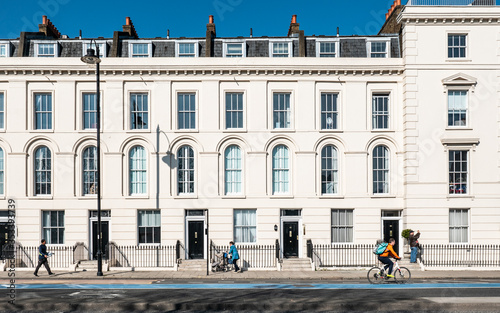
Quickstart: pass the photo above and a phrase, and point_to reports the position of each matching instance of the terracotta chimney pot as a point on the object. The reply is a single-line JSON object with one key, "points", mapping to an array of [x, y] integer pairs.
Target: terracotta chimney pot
{"points": [[211, 19], [44, 19], [127, 20], [294, 18]]}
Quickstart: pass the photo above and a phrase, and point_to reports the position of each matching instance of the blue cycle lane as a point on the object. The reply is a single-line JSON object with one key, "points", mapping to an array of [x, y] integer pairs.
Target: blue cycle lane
{"points": [[303, 286]]}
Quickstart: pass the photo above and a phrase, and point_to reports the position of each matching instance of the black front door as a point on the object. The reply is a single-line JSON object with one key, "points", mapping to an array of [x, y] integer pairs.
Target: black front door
{"points": [[105, 238], [196, 238], [4, 240], [291, 239], [391, 230]]}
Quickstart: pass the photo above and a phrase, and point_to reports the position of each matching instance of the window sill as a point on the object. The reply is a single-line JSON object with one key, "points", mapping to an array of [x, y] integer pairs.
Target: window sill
{"points": [[132, 197], [331, 131], [137, 131], [331, 197], [388, 130], [48, 197], [188, 196], [42, 131], [281, 197], [458, 60], [89, 130], [383, 196], [234, 130], [460, 197], [234, 197], [88, 197], [186, 131], [149, 244], [282, 130], [458, 128]]}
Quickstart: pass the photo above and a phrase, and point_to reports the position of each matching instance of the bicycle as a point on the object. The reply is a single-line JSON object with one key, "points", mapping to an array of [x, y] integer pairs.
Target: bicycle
{"points": [[377, 275]]}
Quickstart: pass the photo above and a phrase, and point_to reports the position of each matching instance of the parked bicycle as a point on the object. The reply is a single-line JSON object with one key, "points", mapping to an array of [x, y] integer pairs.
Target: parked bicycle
{"points": [[377, 275]]}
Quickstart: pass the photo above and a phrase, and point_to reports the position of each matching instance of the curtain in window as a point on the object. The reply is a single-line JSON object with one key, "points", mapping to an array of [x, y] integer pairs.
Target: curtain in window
{"points": [[329, 170], [459, 226], [342, 225], [280, 169], [233, 170], [380, 170], [457, 108], [43, 167], [53, 227], [245, 225], [89, 171], [138, 172]]}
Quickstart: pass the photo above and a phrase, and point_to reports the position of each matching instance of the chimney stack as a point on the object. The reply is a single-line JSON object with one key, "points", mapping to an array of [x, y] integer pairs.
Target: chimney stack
{"points": [[210, 35], [48, 28], [129, 28], [294, 31], [393, 7]]}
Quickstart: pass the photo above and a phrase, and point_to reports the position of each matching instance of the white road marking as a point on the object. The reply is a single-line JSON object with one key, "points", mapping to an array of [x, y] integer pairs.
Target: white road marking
{"points": [[464, 300]]}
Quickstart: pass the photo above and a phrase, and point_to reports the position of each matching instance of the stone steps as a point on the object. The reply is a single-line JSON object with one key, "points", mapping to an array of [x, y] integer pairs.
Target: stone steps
{"points": [[296, 265], [192, 265], [87, 265]]}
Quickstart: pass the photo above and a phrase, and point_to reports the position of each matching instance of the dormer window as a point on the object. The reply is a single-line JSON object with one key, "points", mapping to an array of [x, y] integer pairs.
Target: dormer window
{"points": [[140, 49], [102, 48], [187, 49], [327, 48], [46, 50], [4, 50], [234, 49], [378, 48], [281, 49]]}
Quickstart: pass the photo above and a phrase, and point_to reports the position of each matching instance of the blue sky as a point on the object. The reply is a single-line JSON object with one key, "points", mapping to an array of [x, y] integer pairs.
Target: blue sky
{"points": [[188, 18]]}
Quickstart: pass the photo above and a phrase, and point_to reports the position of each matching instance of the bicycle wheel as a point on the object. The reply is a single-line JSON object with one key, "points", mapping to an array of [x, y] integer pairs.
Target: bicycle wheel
{"points": [[402, 275], [375, 275]]}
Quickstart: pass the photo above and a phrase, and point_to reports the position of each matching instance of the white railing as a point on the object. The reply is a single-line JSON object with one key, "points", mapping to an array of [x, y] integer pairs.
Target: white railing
{"points": [[451, 2]]}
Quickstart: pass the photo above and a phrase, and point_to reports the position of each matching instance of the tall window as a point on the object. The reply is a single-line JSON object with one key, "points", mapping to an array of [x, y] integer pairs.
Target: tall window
{"points": [[138, 172], [457, 108], [378, 49], [457, 46], [234, 50], [281, 110], [2, 111], [380, 111], [187, 50], [329, 170], [233, 168], [47, 50], [185, 170], [245, 225], [281, 167], [234, 110], [327, 50], [186, 103], [458, 171], [140, 50], [139, 111], [329, 111], [43, 111], [53, 227], [2, 173], [380, 170], [459, 225], [342, 226], [89, 111], [89, 171], [149, 226], [43, 171], [280, 50]]}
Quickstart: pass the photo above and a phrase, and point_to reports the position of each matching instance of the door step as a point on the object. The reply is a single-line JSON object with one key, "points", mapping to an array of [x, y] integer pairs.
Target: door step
{"points": [[192, 265], [297, 265], [86, 265]]}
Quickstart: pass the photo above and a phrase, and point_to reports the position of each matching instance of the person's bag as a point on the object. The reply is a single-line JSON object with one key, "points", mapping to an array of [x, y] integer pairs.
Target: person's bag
{"points": [[380, 248]]}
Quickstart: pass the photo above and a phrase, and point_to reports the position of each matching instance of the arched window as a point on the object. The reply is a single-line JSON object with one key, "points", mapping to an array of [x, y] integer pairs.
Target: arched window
{"points": [[329, 170], [89, 168], [232, 175], [43, 171], [281, 181], [185, 170], [380, 170], [138, 173], [2, 175]]}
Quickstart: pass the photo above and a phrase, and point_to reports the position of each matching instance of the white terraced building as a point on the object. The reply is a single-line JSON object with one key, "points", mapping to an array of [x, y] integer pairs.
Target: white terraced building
{"points": [[332, 139]]}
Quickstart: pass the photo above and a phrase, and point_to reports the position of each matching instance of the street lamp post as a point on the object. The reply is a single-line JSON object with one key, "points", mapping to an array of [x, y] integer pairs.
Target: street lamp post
{"points": [[93, 58]]}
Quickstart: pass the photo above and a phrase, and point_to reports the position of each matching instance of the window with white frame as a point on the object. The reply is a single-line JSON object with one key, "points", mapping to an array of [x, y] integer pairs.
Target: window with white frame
{"points": [[457, 46], [457, 107], [140, 50], [378, 49], [149, 224], [53, 227], [327, 49], [187, 49], [234, 110], [2, 110], [459, 225], [137, 171], [232, 170], [329, 110], [380, 111], [329, 170], [185, 170], [46, 50], [2, 172], [245, 226], [91, 45], [234, 50], [89, 171], [281, 49], [186, 108], [458, 171], [43, 171], [380, 160], [281, 168], [43, 111], [281, 110], [342, 226], [89, 111], [4, 50], [139, 114]]}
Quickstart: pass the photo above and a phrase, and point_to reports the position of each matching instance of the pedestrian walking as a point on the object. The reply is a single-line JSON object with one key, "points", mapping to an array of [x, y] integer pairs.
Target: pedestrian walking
{"points": [[42, 259], [234, 256], [414, 245]]}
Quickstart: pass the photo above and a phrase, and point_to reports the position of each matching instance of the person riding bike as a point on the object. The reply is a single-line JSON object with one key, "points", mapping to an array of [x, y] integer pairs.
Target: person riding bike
{"points": [[385, 257]]}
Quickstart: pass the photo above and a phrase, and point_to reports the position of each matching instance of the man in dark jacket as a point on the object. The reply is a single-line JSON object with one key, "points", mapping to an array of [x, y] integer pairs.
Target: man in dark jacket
{"points": [[42, 258], [414, 245]]}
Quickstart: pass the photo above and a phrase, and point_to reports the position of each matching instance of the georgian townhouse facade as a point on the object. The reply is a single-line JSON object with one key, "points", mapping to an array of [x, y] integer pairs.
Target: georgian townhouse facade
{"points": [[331, 139]]}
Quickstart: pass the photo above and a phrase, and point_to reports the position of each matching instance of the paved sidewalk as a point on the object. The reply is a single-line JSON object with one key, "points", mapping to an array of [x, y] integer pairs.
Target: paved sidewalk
{"points": [[140, 276]]}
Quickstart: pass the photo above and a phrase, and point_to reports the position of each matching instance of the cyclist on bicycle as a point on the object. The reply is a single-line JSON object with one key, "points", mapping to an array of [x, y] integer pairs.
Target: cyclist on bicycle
{"points": [[385, 257]]}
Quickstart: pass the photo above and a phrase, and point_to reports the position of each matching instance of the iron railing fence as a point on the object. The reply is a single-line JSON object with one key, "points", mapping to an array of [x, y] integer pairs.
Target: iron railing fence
{"points": [[342, 255], [27, 256], [457, 255], [251, 256], [451, 2], [141, 256]]}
